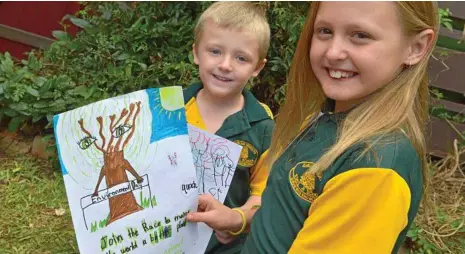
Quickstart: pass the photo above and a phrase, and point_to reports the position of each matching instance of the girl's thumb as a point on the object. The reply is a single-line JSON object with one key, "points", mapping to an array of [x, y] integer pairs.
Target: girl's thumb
{"points": [[197, 217]]}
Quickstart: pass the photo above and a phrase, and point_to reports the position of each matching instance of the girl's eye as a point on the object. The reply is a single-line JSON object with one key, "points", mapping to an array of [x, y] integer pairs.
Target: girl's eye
{"points": [[360, 35], [324, 31]]}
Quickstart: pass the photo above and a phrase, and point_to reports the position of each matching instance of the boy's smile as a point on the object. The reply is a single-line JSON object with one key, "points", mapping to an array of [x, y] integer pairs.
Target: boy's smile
{"points": [[227, 58]]}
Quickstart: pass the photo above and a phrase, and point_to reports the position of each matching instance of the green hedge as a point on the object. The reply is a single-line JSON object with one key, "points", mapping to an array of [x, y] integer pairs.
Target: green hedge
{"points": [[124, 47]]}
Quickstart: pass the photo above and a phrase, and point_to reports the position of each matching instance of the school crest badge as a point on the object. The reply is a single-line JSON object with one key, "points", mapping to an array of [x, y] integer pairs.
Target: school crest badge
{"points": [[249, 154], [303, 182]]}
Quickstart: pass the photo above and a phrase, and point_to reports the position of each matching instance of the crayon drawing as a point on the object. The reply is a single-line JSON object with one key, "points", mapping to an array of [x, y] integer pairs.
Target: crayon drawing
{"points": [[128, 172], [215, 160]]}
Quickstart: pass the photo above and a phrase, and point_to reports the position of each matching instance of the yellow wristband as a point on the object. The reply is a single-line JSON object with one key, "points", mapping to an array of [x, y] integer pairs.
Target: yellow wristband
{"points": [[244, 222]]}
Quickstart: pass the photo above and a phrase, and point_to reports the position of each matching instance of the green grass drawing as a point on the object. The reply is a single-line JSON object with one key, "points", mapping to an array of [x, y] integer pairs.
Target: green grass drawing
{"points": [[94, 226], [147, 202]]}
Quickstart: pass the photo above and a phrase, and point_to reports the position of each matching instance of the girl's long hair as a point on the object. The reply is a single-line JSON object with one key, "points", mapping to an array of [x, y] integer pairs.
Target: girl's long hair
{"points": [[407, 96]]}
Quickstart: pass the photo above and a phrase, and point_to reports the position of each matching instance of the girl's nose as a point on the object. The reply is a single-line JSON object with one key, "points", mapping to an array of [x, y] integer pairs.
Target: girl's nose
{"points": [[336, 50]]}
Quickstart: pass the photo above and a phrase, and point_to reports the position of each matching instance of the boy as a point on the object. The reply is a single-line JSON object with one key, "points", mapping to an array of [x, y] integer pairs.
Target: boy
{"points": [[230, 46]]}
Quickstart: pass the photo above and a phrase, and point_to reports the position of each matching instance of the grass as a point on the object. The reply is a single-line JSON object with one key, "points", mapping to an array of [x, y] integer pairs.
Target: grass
{"points": [[440, 225], [35, 218], [34, 213]]}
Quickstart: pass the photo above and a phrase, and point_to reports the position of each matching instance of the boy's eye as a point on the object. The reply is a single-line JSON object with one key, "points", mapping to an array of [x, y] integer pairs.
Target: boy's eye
{"points": [[215, 51], [242, 59]]}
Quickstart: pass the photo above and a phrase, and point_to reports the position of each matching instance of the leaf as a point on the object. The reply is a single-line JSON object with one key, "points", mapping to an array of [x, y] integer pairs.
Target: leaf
{"points": [[128, 70], [80, 22], [35, 119], [61, 35], [60, 212], [46, 139], [32, 91], [40, 104], [449, 26], [123, 56], [82, 91], [10, 112], [20, 106], [32, 62], [72, 45], [142, 65], [15, 122], [7, 64], [2, 88], [191, 58]]}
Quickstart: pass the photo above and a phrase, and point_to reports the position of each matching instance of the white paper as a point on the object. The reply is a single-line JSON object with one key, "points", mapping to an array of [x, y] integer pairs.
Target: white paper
{"points": [[148, 182], [215, 160]]}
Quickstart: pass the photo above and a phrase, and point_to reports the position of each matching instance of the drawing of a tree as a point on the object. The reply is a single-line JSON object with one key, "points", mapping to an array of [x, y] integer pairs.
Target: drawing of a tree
{"points": [[115, 164]]}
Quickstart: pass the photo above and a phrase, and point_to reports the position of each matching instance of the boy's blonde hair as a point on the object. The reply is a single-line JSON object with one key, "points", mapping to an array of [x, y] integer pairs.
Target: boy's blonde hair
{"points": [[407, 95], [238, 15]]}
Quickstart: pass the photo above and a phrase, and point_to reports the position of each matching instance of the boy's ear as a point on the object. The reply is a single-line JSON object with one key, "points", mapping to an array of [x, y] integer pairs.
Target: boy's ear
{"points": [[259, 68], [419, 46], [194, 52]]}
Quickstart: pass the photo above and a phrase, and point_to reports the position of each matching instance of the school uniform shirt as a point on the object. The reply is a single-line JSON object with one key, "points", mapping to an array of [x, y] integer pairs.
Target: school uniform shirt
{"points": [[251, 128], [354, 206]]}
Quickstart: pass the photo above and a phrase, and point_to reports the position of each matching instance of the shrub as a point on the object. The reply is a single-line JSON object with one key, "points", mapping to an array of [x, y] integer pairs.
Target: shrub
{"points": [[124, 47]]}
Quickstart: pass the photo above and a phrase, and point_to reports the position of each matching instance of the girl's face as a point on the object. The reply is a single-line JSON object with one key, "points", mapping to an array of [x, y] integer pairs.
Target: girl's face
{"points": [[356, 49]]}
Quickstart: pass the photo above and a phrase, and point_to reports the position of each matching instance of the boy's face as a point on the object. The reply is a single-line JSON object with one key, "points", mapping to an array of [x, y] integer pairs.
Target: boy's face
{"points": [[227, 58]]}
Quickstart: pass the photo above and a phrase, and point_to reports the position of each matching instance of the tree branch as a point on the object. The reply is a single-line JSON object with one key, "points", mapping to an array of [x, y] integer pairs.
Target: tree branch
{"points": [[81, 123], [112, 120], [131, 110], [124, 112], [131, 170], [133, 128], [100, 132]]}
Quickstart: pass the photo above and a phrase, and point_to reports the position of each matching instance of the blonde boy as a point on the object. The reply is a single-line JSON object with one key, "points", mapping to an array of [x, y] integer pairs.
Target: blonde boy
{"points": [[230, 46]]}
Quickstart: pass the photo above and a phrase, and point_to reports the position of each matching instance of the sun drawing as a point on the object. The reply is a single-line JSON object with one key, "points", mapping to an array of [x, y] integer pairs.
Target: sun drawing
{"points": [[169, 102]]}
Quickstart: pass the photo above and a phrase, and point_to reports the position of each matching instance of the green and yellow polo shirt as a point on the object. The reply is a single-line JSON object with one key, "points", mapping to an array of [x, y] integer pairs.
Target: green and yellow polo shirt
{"points": [[252, 128], [360, 204]]}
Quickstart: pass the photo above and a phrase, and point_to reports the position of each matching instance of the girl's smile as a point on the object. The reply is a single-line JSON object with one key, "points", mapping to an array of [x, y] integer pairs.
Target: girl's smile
{"points": [[356, 49], [340, 74]]}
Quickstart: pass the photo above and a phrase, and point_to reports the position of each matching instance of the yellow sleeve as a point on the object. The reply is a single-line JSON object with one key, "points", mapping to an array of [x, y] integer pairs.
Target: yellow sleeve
{"points": [[258, 176], [359, 211]]}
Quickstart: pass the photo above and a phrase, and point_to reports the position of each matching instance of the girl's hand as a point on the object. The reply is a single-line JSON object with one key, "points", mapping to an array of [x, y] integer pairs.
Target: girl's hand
{"points": [[224, 237], [216, 215]]}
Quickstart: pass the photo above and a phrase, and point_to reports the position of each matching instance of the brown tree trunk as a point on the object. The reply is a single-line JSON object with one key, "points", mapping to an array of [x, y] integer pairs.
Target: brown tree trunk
{"points": [[115, 173]]}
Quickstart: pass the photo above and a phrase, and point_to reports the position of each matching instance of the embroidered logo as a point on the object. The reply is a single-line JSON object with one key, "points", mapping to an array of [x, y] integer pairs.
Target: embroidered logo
{"points": [[303, 182], [249, 154]]}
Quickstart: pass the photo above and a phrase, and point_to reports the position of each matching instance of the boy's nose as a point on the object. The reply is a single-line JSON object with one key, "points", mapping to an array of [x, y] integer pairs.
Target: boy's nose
{"points": [[336, 50], [225, 64]]}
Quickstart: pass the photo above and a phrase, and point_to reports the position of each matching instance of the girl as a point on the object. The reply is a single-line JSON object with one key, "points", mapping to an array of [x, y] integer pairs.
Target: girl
{"points": [[348, 156]]}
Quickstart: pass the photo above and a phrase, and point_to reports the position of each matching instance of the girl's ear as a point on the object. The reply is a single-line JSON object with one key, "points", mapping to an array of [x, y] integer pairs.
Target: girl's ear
{"points": [[194, 52], [259, 68], [419, 46]]}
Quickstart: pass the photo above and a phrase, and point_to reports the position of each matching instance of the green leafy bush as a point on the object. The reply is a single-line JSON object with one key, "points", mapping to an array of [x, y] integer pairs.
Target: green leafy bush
{"points": [[124, 47]]}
